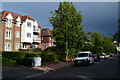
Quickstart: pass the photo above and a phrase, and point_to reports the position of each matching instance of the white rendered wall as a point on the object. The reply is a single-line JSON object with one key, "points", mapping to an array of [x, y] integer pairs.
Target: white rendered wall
{"points": [[25, 29]]}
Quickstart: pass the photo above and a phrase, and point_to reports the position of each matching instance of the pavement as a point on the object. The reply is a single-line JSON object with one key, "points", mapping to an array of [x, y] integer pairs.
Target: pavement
{"points": [[21, 72], [54, 66], [106, 69]]}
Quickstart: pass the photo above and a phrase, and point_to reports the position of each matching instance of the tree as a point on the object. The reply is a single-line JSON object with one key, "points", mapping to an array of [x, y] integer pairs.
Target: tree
{"points": [[108, 45], [96, 41], [67, 29]]}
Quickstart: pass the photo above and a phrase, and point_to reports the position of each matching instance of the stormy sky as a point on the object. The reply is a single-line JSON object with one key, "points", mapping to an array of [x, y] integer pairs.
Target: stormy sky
{"points": [[101, 17]]}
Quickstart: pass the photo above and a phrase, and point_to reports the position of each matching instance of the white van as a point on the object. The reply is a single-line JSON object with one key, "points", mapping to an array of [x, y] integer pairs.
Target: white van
{"points": [[85, 57]]}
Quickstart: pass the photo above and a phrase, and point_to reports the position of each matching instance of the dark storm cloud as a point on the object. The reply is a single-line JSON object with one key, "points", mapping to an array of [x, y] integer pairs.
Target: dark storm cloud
{"points": [[98, 17]]}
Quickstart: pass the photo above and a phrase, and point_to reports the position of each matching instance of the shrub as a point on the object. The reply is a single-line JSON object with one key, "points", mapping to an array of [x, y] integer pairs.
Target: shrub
{"points": [[61, 57], [27, 61], [32, 54], [14, 55], [6, 61], [48, 56]]}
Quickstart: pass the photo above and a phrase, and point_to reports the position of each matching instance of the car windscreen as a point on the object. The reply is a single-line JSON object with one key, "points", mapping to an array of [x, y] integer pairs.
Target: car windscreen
{"points": [[83, 55]]}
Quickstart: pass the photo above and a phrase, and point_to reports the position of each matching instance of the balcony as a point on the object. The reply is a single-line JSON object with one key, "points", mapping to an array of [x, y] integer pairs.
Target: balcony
{"points": [[36, 30], [36, 39]]}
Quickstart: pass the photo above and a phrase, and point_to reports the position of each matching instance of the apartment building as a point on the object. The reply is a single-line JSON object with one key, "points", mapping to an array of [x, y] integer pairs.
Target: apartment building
{"points": [[46, 40], [18, 32]]}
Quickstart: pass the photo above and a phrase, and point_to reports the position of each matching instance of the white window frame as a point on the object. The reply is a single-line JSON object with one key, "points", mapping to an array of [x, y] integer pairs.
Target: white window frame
{"points": [[7, 46], [25, 46], [9, 23], [17, 34], [50, 38], [42, 38], [17, 46], [29, 24], [28, 36], [44, 31], [50, 45], [8, 34]]}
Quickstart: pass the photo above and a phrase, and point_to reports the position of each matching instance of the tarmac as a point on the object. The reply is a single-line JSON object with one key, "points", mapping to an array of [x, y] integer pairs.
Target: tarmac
{"points": [[22, 72], [54, 66]]}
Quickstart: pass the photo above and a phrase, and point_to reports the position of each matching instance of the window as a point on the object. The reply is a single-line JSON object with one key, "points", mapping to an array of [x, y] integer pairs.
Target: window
{"points": [[29, 35], [9, 23], [44, 31], [42, 38], [50, 38], [17, 34], [8, 34], [50, 45], [7, 46], [17, 46], [28, 24], [24, 46]]}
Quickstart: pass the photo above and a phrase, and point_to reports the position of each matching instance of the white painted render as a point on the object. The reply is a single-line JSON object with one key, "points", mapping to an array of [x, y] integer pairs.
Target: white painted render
{"points": [[18, 19], [9, 16], [25, 29]]}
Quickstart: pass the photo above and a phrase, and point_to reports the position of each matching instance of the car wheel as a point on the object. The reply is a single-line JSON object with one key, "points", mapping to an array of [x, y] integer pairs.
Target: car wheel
{"points": [[93, 62], [88, 62]]}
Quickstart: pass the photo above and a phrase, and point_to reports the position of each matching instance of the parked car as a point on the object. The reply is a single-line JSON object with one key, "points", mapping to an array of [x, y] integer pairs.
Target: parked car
{"points": [[96, 57], [118, 55], [102, 56], [107, 55], [84, 58]]}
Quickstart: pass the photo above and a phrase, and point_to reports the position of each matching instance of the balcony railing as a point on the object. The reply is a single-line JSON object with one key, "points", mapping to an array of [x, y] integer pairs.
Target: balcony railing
{"points": [[35, 39], [36, 30]]}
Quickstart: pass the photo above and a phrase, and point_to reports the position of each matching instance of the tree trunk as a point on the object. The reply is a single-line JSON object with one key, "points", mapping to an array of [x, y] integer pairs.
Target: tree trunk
{"points": [[66, 55], [66, 51]]}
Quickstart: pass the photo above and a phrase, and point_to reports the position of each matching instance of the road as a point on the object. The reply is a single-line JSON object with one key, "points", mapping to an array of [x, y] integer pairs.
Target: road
{"points": [[106, 68]]}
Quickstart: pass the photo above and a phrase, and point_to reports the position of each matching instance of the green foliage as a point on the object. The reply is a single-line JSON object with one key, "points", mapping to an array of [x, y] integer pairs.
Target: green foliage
{"points": [[108, 45], [72, 52], [6, 61], [27, 61], [96, 41], [14, 55], [61, 57], [32, 54], [48, 56], [21, 58], [67, 31], [115, 37]]}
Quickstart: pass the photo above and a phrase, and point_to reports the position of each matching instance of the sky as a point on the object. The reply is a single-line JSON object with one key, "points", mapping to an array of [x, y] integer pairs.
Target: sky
{"points": [[100, 17]]}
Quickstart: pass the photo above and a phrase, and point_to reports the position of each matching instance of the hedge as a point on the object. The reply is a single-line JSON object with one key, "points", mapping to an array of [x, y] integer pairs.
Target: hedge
{"points": [[25, 58], [48, 56], [14, 55], [6, 61]]}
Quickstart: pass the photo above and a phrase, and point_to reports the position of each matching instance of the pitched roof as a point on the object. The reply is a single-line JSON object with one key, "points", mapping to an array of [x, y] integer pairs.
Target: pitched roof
{"points": [[39, 26], [15, 16], [46, 32]]}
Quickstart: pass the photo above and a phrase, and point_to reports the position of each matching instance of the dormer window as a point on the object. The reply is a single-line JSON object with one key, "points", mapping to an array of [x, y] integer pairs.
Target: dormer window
{"points": [[9, 23], [18, 23], [28, 24]]}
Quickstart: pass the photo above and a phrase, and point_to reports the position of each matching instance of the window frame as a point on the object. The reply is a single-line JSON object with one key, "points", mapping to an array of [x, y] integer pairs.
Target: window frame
{"points": [[8, 34], [17, 46], [28, 36], [6, 46], [9, 23], [29, 24], [17, 35]]}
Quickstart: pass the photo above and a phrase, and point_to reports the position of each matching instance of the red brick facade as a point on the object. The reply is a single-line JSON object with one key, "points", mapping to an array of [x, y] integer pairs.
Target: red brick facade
{"points": [[46, 40], [15, 31]]}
